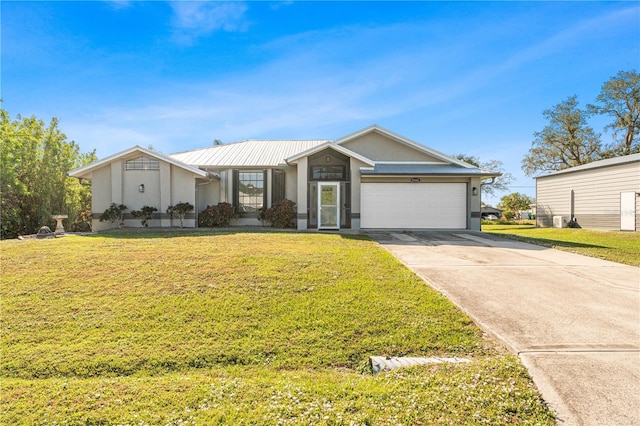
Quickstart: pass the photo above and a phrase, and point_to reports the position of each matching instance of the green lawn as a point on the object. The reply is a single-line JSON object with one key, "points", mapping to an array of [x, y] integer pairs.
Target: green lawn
{"points": [[616, 246], [238, 328]]}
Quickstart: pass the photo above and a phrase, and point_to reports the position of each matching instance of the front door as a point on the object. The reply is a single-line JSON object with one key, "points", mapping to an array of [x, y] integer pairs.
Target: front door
{"points": [[328, 205]]}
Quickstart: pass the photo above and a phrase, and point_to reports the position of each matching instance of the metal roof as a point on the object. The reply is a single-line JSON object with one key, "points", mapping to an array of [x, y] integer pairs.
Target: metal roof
{"points": [[249, 153], [597, 164], [425, 169]]}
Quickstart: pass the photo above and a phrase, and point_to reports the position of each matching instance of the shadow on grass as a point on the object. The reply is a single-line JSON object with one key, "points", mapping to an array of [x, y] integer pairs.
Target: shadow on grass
{"points": [[152, 233], [545, 242]]}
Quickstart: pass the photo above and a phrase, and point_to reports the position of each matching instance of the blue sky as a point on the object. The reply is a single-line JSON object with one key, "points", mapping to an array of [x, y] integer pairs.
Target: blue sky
{"points": [[459, 77]]}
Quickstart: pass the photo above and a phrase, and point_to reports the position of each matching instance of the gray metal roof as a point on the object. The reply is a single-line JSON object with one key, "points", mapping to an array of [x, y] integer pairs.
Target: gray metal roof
{"points": [[249, 153], [597, 164], [425, 169]]}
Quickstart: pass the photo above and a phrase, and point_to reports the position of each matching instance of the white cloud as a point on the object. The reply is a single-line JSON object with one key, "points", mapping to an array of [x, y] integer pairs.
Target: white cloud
{"points": [[194, 19]]}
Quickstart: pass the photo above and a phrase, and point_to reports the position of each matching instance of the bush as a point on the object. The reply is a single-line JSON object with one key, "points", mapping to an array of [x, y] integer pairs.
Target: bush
{"points": [[218, 215], [82, 222], [145, 215], [508, 214], [280, 215], [180, 210], [114, 214]]}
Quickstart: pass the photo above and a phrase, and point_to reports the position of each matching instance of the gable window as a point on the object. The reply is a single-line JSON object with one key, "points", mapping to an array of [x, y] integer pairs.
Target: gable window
{"points": [[142, 163], [249, 191], [328, 172]]}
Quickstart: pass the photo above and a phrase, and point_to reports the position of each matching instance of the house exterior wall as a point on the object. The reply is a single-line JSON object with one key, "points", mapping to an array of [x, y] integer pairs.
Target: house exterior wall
{"points": [[474, 204], [101, 196], [162, 188], [182, 190], [291, 184], [596, 196], [301, 184], [377, 147]]}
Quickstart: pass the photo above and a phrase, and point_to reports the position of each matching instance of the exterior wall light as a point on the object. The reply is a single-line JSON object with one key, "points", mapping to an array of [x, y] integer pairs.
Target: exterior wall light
{"points": [[141, 187], [474, 190]]}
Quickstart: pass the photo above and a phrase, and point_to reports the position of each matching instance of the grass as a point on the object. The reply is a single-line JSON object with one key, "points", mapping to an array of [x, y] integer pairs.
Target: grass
{"points": [[616, 246], [238, 328]]}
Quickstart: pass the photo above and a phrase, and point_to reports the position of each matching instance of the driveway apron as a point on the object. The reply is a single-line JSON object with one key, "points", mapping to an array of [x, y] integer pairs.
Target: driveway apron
{"points": [[573, 320]]}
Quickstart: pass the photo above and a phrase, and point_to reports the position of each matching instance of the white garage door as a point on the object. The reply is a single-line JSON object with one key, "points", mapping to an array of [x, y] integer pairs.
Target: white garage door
{"points": [[413, 205]]}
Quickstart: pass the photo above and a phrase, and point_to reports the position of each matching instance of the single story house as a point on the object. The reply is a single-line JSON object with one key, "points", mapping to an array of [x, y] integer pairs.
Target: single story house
{"points": [[370, 179], [604, 194]]}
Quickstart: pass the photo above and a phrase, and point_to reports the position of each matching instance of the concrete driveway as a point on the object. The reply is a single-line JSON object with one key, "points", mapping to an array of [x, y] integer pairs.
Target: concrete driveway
{"points": [[573, 320]]}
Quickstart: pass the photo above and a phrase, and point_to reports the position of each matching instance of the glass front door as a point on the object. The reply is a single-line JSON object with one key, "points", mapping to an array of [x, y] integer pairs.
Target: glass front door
{"points": [[328, 205]]}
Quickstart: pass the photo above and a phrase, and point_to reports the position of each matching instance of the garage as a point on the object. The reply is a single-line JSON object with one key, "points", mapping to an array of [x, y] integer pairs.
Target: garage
{"points": [[414, 205]]}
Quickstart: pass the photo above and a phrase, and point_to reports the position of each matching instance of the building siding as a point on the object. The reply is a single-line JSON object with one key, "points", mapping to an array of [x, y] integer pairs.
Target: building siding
{"points": [[596, 195]]}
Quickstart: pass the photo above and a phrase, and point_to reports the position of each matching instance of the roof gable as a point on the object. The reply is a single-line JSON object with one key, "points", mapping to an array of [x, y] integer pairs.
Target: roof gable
{"points": [[382, 145], [294, 158], [85, 171]]}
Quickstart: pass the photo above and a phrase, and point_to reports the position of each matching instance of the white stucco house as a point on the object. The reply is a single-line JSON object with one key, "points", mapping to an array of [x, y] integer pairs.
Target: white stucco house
{"points": [[603, 194], [370, 179]]}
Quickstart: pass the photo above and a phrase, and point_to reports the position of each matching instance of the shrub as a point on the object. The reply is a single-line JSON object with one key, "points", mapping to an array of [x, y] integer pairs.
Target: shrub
{"points": [[508, 214], [180, 210], [114, 214], [82, 222], [280, 215], [145, 215], [218, 215]]}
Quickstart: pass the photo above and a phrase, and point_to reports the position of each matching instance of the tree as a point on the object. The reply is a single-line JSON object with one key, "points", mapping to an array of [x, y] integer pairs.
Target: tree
{"points": [[34, 162], [515, 202], [620, 99], [499, 184], [565, 142]]}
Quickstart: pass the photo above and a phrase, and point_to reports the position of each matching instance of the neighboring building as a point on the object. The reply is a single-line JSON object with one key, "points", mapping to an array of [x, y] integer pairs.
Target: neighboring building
{"points": [[372, 179], [600, 195], [491, 213]]}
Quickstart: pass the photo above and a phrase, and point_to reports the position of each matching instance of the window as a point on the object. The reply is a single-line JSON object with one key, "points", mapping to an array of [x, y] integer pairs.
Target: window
{"points": [[249, 193], [327, 172], [142, 163]]}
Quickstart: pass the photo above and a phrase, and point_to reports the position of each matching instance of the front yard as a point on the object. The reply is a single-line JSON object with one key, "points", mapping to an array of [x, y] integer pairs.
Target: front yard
{"points": [[616, 246], [239, 328]]}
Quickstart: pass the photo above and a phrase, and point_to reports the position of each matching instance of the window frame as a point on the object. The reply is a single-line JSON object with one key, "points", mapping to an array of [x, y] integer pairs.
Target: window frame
{"points": [[142, 163], [237, 173]]}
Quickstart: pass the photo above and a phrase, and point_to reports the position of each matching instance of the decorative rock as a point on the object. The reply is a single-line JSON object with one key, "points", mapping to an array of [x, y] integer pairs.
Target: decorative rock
{"points": [[45, 232]]}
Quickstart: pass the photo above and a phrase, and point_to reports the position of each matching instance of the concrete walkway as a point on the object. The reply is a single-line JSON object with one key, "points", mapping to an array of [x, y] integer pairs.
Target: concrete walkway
{"points": [[573, 320]]}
